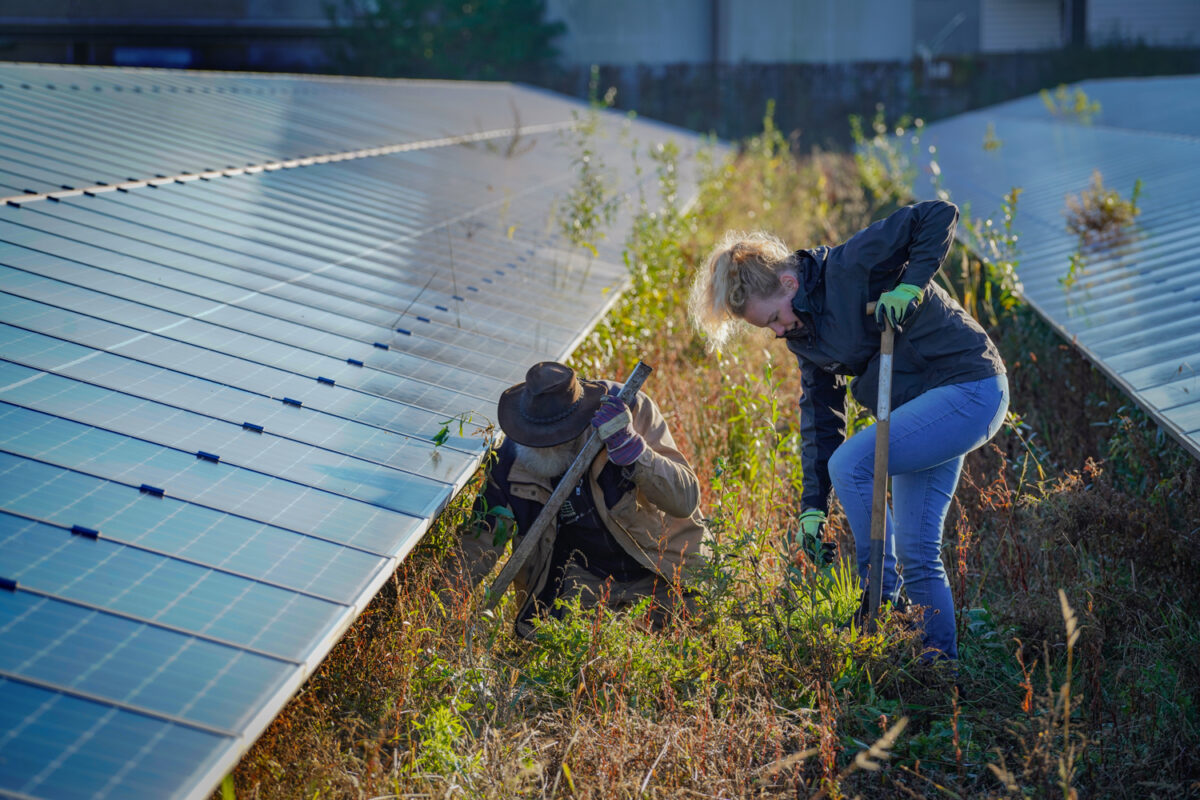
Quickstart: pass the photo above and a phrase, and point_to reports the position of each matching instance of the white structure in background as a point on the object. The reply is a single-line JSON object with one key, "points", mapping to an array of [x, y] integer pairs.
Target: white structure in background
{"points": [[628, 32], [289, 34], [1007, 26]]}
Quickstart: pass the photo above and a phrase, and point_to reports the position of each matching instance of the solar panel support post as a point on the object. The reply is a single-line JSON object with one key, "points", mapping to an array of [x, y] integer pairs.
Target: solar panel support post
{"points": [[549, 512]]}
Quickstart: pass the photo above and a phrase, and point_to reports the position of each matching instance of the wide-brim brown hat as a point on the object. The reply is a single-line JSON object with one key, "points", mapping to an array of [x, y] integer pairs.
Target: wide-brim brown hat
{"points": [[552, 406]]}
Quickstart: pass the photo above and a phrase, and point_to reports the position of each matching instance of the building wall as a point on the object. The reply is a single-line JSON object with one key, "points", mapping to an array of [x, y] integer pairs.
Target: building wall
{"points": [[1009, 26], [627, 32], [945, 27], [819, 31], [215, 34], [624, 32], [293, 34], [1154, 22], [225, 13]]}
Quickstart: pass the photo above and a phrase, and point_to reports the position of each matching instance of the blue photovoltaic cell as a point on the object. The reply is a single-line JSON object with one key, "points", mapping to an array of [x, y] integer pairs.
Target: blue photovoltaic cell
{"points": [[260, 323], [233, 342], [220, 393], [159, 670], [185, 530], [251, 494], [402, 492], [268, 118], [33, 171], [212, 399], [49, 233], [58, 746], [219, 367], [174, 593], [175, 234]]}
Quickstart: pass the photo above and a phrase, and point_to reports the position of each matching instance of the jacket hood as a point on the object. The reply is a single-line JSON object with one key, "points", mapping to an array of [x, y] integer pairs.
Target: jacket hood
{"points": [[810, 268]]}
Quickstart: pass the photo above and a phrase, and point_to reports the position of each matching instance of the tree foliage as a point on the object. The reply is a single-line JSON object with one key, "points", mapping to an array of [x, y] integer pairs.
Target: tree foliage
{"points": [[456, 39]]}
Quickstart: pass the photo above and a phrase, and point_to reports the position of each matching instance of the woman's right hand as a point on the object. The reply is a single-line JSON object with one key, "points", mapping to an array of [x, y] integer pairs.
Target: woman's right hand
{"points": [[811, 523]]}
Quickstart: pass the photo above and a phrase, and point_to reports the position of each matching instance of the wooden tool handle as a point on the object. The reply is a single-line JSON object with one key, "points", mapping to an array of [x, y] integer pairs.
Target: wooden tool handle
{"points": [[883, 424]]}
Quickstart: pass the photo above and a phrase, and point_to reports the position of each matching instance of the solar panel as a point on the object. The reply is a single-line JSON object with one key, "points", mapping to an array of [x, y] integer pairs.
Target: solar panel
{"points": [[205, 122], [157, 470], [210, 538], [56, 742], [141, 665], [1131, 307], [141, 586], [242, 318]]}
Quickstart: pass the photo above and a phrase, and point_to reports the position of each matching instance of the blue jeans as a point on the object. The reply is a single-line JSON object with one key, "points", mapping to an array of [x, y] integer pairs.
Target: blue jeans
{"points": [[929, 437]]}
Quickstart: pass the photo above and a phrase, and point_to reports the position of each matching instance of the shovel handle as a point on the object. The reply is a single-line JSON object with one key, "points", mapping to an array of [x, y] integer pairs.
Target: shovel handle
{"points": [[545, 517], [883, 413]]}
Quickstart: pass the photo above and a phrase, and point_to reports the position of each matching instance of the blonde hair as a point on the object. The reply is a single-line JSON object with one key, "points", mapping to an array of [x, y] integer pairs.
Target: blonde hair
{"points": [[741, 266]]}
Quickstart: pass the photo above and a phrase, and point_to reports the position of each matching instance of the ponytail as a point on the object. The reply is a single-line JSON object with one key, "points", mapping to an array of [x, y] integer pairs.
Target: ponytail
{"points": [[740, 267]]}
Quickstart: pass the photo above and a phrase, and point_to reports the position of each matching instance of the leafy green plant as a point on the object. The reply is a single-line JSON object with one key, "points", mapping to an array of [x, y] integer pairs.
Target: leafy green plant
{"points": [[440, 736], [1075, 267], [1097, 216], [460, 423], [885, 158], [590, 205], [990, 141], [987, 285], [1073, 104]]}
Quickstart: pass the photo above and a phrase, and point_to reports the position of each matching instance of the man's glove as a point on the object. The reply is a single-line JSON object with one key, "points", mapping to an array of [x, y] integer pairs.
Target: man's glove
{"points": [[899, 303], [808, 537], [615, 424]]}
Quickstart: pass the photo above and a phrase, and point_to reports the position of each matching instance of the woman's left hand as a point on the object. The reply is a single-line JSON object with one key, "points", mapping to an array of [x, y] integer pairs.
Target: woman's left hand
{"points": [[899, 303]]}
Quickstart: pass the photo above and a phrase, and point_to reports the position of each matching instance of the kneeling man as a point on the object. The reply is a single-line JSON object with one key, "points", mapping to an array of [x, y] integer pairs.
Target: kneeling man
{"points": [[630, 528]]}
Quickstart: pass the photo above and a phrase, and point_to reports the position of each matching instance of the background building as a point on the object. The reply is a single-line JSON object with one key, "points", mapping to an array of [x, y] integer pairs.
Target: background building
{"points": [[293, 34], [710, 65], [273, 35]]}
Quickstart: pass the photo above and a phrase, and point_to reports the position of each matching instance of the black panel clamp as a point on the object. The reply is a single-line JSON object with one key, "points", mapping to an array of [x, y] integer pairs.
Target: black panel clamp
{"points": [[87, 533]]}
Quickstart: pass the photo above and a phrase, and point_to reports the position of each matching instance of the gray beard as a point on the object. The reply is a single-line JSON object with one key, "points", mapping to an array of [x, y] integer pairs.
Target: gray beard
{"points": [[551, 462]]}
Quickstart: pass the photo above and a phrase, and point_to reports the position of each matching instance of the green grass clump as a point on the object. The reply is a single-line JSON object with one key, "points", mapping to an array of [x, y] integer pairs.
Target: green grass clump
{"points": [[1099, 214], [1070, 105]]}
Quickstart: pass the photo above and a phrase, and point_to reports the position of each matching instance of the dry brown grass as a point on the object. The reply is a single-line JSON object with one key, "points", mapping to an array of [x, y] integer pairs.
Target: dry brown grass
{"points": [[758, 694]]}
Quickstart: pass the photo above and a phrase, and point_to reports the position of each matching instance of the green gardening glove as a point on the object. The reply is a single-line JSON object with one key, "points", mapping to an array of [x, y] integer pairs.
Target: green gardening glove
{"points": [[899, 303], [811, 523], [808, 537]]}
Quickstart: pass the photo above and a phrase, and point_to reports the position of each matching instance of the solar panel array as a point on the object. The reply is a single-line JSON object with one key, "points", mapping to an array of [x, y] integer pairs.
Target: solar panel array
{"points": [[236, 311], [1132, 305]]}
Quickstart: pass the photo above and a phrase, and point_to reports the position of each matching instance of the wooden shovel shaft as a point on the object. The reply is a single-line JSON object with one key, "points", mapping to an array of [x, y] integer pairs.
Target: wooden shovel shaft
{"points": [[546, 516], [883, 413]]}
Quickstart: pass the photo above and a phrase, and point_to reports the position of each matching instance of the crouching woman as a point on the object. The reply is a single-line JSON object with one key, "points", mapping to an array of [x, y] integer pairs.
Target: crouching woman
{"points": [[949, 390]]}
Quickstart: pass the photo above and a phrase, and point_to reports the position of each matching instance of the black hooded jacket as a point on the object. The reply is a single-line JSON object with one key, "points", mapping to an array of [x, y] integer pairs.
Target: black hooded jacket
{"points": [[939, 345]]}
